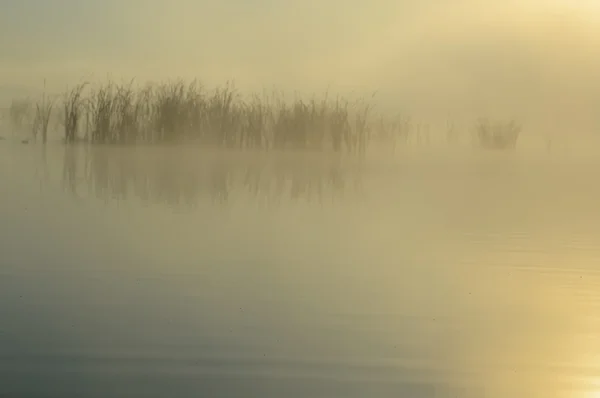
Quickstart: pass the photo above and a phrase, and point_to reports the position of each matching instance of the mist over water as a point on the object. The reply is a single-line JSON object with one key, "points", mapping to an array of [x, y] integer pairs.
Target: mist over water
{"points": [[532, 60], [274, 255], [185, 271]]}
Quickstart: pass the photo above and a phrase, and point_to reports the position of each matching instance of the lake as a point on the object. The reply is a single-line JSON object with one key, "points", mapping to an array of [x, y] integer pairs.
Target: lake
{"points": [[186, 272]]}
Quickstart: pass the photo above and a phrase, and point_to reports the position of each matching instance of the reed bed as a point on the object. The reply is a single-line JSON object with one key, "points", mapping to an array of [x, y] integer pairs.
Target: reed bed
{"points": [[178, 112]]}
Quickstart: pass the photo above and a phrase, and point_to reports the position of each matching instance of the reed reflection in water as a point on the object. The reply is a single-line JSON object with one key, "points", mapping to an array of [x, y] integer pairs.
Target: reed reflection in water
{"points": [[449, 277], [179, 176]]}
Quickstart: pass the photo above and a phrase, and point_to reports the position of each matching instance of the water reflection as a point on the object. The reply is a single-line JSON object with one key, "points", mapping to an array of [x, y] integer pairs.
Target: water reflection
{"points": [[69, 174], [447, 279], [176, 177]]}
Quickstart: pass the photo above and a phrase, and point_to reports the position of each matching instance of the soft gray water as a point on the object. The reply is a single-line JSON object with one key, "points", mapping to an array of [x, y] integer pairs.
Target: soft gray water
{"points": [[187, 273]]}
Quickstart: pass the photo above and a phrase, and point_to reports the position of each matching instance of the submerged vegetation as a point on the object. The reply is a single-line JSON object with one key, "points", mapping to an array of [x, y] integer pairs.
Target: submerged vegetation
{"points": [[180, 112]]}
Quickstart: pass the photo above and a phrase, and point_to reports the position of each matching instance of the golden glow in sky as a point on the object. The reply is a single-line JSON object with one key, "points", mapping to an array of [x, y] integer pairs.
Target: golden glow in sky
{"points": [[451, 55]]}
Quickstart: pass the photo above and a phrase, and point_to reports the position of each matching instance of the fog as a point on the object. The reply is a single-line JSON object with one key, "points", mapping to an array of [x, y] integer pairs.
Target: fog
{"points": [[282, 258], [531, 59]]}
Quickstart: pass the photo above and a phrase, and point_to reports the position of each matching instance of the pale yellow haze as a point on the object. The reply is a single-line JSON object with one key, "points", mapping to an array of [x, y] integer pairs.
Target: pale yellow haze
{"points": [[525, 57]]}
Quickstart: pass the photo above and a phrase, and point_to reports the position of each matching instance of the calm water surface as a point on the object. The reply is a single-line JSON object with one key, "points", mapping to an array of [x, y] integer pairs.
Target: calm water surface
{"points": [[188, 273]]}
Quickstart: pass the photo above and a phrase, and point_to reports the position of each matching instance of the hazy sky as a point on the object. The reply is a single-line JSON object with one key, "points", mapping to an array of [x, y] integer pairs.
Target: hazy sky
{"points": [[438, 54]]}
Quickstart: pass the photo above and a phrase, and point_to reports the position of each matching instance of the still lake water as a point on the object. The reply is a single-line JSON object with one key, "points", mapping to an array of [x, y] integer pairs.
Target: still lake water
{"points": [[189, 273]]}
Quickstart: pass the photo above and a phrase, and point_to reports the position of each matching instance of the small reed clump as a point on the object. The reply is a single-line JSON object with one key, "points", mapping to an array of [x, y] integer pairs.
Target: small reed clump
{"points": [[497, 134]]}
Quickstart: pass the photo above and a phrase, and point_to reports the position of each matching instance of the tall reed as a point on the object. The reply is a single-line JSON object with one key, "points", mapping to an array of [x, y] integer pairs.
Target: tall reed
{"points": [[43, 112], [73, 105]]}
